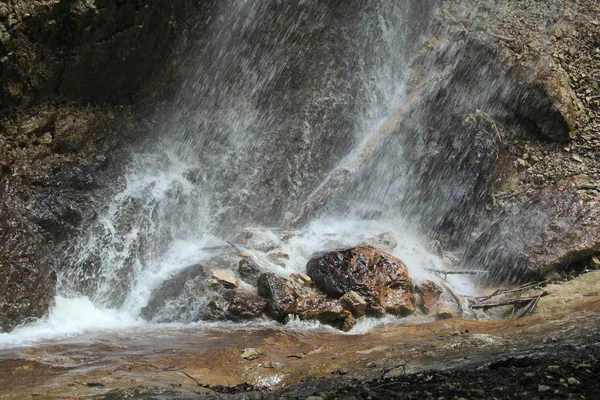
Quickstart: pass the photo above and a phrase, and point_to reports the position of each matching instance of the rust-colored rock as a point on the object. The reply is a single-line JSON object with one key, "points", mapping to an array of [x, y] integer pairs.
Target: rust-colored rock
{"points": [[380, 278], [327, 311], [354, 302], [428, 296]]}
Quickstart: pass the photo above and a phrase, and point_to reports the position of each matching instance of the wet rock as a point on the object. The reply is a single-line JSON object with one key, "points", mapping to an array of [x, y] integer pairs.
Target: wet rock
{"points": [[234, 305], [27, 279], [225, 277], [546, 98], [557, 227], [171, 289], [279, 293], [355, 303], [249, 271], [385, 241], [428, 296], [326, 311], [302, 279], [380, 278]]}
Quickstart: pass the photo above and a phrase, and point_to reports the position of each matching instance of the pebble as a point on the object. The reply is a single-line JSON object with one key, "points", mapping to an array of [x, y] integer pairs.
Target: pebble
{"points": [[249, 354], [543, 388], [573, 381]]}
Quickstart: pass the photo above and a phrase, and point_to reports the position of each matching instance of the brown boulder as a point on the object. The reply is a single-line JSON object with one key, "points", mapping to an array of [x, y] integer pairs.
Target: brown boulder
{"points": [[280, 295], [234, 305], [380, 278], [327, 311], [428, 296], [354, 302]]}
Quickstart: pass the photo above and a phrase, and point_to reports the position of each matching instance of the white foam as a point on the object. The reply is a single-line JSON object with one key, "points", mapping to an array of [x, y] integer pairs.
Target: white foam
{"points": [[69, 317]]}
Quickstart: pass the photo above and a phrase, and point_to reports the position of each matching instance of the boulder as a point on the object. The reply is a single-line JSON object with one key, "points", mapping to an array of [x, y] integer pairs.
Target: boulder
{"points": [[559, 226], [234, 305], [225, 278], [171, 289], [428, 296], [326, 311], [354, 302], [280, 295], [249, 271], [380, 278]]}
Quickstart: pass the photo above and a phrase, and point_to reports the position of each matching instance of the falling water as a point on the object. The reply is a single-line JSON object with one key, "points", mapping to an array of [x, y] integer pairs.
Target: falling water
{"points": [[277, 97]]}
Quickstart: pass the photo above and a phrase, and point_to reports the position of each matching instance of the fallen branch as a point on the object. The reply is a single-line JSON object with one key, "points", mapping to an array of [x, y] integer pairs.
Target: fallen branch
{"points": [[504, 303], [458, 302], [529, 285], [528, 310], [387, 370], [241, 387], [505, 38], [340, 176]]}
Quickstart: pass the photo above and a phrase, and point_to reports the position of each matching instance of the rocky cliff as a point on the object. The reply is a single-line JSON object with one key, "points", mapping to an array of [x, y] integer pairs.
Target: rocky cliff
{"points": [[71, 72]]}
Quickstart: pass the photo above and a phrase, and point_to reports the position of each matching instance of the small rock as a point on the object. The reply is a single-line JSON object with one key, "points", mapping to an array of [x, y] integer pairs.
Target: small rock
{"points": [[595, 262], [371, 365], [355, 303], [385, 241], [445, 313], [302, 279], [249, 354], [226, 278], [573, 381], [543, 388], [576, 158]]}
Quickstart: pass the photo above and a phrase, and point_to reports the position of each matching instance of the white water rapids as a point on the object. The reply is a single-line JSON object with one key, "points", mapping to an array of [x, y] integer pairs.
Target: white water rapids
{"points": [[217, 165]]}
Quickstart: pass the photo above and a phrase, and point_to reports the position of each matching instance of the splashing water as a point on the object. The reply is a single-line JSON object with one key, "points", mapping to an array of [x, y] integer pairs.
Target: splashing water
{"points": [[278, 94]]}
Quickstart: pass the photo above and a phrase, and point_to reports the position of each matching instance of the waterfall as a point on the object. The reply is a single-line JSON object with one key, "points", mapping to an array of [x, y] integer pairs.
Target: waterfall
{"points": [[277, 96]]}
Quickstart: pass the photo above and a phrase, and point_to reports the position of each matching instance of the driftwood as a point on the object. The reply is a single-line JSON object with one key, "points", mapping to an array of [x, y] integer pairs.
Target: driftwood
{"points": [[504, 303], [447, 272], [529, 308], [529, 285], [339, 177]]}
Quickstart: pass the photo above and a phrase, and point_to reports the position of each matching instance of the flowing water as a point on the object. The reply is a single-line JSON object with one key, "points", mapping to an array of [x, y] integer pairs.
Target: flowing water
{"points": [[278, 96]]}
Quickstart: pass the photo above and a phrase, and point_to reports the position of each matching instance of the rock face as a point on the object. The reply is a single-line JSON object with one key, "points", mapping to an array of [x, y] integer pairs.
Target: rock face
{"points": [[380, 278], [27, 281], [559, 226]]}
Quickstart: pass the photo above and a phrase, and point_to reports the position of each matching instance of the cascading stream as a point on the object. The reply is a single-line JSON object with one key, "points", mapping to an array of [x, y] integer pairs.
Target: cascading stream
{"points": [[276, 96]]}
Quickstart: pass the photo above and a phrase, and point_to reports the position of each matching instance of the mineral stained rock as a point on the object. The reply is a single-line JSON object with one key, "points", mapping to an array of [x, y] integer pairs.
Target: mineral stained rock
{"points": [[380, 278]]}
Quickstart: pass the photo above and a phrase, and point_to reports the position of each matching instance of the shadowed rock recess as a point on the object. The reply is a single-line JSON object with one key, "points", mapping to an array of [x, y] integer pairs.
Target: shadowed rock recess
{"points": [[70, 72]]}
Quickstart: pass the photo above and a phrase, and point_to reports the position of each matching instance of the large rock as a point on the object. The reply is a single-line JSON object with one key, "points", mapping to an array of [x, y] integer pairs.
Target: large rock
{"points": [[171, 289], [234, 305], [279, 293], [559, 226], [326, 311], [380, 278]]}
